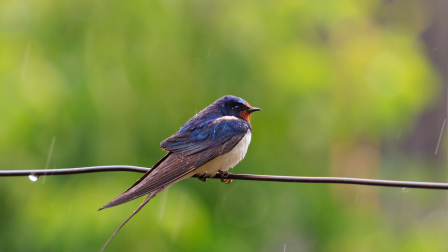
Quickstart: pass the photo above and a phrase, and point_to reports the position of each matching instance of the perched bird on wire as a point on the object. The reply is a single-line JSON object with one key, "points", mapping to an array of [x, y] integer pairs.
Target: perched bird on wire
{"points": [[213, 141]]}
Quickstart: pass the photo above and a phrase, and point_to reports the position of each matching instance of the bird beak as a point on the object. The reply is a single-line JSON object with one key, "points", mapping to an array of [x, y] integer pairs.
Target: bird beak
{"points": [[253, 109]]}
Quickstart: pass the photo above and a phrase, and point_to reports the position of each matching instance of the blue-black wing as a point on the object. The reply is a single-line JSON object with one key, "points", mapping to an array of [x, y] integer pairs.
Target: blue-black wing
{"points": [[189, 148], [216, 138]]}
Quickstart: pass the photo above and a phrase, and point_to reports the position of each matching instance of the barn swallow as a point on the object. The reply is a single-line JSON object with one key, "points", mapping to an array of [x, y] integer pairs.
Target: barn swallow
{"points": [[211, 142]]}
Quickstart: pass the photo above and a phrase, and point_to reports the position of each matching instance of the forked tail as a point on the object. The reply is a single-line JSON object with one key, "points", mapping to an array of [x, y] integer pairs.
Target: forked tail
{"points": [[150, 196]]}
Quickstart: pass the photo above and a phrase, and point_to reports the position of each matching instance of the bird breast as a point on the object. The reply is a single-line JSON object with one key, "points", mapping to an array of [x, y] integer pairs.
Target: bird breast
{"points": [[228, 160]]}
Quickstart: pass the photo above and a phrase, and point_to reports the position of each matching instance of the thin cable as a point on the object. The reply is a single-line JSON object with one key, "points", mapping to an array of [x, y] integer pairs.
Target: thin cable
{"points": [[328, 180]]}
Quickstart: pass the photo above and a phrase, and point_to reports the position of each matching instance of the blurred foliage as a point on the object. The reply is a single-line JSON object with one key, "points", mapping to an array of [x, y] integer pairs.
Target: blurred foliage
{"points": [[111, 79]]}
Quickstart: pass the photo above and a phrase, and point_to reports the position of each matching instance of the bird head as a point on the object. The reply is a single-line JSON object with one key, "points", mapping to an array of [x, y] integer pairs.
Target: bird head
{"points": [[230, 105]]}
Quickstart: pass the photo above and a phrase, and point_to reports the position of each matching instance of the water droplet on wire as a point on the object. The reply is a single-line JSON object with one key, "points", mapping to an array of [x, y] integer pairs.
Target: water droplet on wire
{"points": [[33, 178], [405, 189]]}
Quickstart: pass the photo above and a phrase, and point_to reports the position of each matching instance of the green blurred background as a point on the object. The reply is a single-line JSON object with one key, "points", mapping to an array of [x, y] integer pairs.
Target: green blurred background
{"points": [[348, 88]]}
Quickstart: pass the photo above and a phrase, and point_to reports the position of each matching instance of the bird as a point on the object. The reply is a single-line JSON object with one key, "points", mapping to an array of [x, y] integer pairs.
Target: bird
{"points": [[210, 143]]}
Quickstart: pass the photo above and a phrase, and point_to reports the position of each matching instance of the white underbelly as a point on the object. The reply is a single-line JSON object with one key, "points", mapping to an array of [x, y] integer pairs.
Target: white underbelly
{"points": [[226, 161]]}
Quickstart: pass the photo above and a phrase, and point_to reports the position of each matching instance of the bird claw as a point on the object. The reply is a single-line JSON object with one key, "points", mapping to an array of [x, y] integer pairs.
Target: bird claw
{"points": [[203, 178], [224, 175]]}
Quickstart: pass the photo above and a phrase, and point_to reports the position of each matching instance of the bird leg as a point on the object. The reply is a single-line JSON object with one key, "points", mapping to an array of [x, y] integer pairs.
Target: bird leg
{"points": [[224, 175], [202, 177]]}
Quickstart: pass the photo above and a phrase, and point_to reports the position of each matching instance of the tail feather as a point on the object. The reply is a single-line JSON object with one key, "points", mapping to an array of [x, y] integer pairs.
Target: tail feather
{"points": [[150, 196], [124, 196]]}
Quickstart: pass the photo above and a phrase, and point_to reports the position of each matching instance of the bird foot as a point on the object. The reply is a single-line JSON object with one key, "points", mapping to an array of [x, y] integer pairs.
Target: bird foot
{"points": [[224, 175], [203, 177]]}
